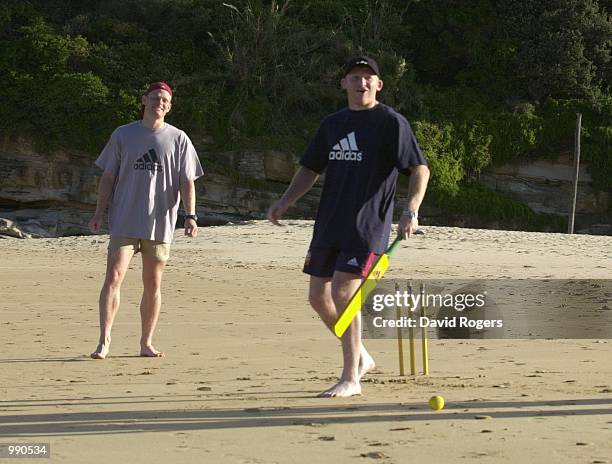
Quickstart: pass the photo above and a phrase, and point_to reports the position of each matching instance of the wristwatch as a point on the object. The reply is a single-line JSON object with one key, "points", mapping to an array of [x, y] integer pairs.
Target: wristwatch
{"points": [[410, 214], [192, 216]]}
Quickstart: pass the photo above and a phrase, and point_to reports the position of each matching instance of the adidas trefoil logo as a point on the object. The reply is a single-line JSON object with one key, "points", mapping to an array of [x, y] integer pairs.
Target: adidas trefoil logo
{"points": [[149, 162], [346, 149]]}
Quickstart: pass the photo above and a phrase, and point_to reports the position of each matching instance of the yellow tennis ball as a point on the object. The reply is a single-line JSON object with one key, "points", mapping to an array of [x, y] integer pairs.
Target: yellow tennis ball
{"points": [[436, 403]]}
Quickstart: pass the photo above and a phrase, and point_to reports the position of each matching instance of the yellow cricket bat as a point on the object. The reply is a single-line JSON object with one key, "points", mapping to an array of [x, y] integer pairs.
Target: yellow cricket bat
{"points": [[366, 287]]}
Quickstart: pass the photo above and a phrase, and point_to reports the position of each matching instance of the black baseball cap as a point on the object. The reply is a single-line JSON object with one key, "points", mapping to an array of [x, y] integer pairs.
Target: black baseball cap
{"points": [[361, 61]]}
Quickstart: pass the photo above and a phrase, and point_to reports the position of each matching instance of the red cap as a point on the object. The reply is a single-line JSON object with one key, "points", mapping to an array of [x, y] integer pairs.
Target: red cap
{"points": [[158, 86]]}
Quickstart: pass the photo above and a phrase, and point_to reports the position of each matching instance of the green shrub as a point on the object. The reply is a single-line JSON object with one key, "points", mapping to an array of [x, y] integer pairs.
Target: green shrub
{"points": [[494, 207], [558, 126], [443, 154], [263, 73], [513, 135], [597, 150], [51, 103], [477, 148]]}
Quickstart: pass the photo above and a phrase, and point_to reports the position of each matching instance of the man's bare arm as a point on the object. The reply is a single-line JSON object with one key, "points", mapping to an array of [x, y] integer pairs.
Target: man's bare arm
{"points": [[302, 182], [188, 196], [417, 186], [105, 192]]}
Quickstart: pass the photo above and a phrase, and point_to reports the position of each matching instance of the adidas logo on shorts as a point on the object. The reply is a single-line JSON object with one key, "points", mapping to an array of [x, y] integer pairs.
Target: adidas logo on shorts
{"points": [[346, 149], [149, 162]]}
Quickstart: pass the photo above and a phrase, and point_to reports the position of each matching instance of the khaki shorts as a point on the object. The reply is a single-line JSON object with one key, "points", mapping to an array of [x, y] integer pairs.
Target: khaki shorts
{"points": [[158, 250]]}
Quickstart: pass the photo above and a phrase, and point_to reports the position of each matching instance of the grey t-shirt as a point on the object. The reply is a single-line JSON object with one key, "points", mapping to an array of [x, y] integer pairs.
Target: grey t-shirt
{"points": [[149, 165]]}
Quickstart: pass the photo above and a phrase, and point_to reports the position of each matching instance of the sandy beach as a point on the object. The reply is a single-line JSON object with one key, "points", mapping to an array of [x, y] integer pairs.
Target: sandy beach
{"points": [[246, 356]]}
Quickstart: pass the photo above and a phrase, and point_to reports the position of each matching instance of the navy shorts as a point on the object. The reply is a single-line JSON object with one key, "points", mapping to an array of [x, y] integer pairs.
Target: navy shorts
{"points": [[322, 262]]}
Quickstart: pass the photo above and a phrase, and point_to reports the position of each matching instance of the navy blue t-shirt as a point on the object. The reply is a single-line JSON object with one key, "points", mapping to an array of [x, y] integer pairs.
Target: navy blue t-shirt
{"points": [[361, 152]]}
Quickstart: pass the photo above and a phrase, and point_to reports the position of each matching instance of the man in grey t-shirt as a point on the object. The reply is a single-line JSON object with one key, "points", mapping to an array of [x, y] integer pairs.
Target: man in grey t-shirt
{"points": [[148, 167]]}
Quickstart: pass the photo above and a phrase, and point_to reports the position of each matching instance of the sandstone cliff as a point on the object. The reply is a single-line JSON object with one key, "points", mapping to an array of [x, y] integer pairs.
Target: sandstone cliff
{"points": [[54, 194]]}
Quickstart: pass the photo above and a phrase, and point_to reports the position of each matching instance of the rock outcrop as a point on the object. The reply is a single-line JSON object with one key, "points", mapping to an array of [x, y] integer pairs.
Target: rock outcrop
{"points": [[49, 195], [547, 187]]}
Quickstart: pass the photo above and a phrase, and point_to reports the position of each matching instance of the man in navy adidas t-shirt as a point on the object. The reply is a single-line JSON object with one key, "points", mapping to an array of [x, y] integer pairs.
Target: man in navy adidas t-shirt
{"points": [[361, 148]]}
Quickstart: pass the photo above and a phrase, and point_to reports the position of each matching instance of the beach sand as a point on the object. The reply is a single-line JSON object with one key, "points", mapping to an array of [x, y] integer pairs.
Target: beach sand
{"points": [[245, 357]]}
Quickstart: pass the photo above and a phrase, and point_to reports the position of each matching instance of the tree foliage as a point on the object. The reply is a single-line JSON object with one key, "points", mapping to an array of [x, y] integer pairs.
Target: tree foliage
{"points": [[484, 82], [563, 47]]}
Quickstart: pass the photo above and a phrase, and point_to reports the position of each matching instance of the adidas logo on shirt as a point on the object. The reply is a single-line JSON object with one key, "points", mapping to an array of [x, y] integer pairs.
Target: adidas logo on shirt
{"points": [[346, 149], [149, 162]]}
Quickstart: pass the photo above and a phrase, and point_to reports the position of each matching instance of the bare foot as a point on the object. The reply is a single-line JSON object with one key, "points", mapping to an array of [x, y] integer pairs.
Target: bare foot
{"points": [[366, 363], [148, 351], [101, 351], [342, 389]]}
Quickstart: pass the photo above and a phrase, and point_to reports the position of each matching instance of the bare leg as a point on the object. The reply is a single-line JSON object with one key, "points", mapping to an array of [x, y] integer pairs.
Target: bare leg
{"points": [[150, 305], [320, 297], [117, 263], [326, 295]]}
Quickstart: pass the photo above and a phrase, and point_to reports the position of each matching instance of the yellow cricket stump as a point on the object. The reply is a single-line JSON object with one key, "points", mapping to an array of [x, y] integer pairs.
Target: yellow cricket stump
{"points": [[400, 341], [425, 353], [411, 351], [411, 340], [411, 345], [424, 348]]}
